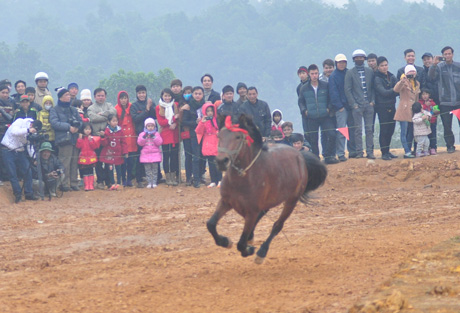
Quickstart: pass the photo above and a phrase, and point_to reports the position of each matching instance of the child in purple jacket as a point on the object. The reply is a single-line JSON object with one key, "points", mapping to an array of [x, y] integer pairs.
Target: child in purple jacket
{"points": [[150, 141]]}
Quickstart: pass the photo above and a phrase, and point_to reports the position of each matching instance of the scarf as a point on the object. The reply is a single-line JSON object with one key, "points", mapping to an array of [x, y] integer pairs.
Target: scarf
{"points": [[169, 110], [207, 93], [113, 129], [64, 104]]}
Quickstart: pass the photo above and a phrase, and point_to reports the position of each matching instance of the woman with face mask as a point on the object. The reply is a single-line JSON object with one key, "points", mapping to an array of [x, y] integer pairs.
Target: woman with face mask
{"points": [[44, 116]]}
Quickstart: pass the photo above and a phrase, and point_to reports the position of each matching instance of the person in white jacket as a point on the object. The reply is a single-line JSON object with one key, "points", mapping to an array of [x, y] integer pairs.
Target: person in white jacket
{"points": [[14, 154]]}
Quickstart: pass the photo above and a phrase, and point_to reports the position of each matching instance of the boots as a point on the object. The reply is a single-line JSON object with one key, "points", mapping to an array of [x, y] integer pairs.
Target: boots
{"points": [[174, 180], [86, 182], [91, 182], [168, 179]]}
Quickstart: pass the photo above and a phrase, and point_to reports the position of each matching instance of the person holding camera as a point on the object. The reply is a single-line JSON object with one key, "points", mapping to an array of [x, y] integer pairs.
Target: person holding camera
{"points": [[446, 73], [66, 122], [408, 88], [13, 149], [52, 168]]}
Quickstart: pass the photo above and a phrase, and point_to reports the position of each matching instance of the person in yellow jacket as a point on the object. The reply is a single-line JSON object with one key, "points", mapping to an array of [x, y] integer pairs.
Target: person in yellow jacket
{"points": [[44, 116]]}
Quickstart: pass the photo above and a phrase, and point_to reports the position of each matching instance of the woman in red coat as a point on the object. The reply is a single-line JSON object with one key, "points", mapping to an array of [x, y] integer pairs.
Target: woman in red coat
{"points": [[125, 121], [168, 116], [114, 150]]}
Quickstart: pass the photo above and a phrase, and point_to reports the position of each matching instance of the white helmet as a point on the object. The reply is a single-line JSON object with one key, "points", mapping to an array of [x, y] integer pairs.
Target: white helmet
{"points": [[340, 57], [41, 75], [359, 53]]}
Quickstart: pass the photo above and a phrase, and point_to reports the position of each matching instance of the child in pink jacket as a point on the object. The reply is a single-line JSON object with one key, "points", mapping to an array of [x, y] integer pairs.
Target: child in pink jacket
{"points": [[150, 141], [206, 132]]}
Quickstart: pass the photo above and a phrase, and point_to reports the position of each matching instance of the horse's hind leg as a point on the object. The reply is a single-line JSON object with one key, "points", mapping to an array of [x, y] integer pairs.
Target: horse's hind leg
{"points": [[221, 209], [249, 224], [277, 227]]}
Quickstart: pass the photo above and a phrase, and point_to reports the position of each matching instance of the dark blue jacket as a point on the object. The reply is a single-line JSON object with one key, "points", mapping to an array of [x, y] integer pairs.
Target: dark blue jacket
{"points": [[61, 118], [139, 114], [316, 104], [337, 90]]}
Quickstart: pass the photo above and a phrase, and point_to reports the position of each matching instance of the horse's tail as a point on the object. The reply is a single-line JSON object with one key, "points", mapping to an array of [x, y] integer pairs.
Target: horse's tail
{"points": [[317, 173]]}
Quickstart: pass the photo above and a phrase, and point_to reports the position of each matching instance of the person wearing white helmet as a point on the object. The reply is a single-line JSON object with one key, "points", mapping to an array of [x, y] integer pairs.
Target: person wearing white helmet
{"points": [[41, 80], [342, 110], [359, 89]]}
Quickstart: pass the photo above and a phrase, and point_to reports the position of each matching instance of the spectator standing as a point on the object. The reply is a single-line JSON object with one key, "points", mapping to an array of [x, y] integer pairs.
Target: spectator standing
{"points": [[409, 56], [209, 94], [259, 111], [328, 68], [372, 61], [242, 91], [41, 80], [447, 75]]}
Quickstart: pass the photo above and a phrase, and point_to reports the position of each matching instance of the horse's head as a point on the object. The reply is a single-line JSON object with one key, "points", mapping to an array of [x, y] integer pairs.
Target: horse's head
{"points": [[235, 139]]}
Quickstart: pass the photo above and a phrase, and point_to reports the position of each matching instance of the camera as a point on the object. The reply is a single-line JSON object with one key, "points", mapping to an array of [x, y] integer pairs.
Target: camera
{"points": [[207, 118], [59, 171], [410, 76], [441, 59], [74, 123], [38, 137]]}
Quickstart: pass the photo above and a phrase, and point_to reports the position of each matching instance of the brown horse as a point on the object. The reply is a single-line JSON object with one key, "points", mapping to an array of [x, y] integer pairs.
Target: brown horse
{"points": [[258, 178]]}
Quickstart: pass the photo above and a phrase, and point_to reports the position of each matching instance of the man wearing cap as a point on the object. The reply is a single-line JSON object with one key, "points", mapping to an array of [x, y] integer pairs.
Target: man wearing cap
{"points": [[66, 122], [25, 111], [41, 80], [242, 91], [73, 90], [228, 106], [359, 89], [209, 94], [52, 168], [447, 75], [15, 156], [409, 56], [259, 111], [343, 114]]}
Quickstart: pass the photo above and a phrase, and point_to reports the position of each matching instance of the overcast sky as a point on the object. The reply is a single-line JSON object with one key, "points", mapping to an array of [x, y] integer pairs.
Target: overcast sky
{"points": [[438, 3]]}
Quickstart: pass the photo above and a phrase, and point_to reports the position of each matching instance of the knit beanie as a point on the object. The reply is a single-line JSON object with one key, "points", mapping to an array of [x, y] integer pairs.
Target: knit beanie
{"points": [[241, 85], [409, 68], [61, 91], [85, 94], [149, 121]]}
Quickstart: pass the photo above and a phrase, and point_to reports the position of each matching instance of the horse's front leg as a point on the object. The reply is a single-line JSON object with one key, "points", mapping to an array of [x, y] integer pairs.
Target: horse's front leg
{"points": [[249, 224], [222, 208]]}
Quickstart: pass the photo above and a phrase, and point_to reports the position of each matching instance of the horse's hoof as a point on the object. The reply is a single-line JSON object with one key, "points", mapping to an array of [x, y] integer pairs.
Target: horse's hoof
{"points": [[229, 244], [258, 260]]}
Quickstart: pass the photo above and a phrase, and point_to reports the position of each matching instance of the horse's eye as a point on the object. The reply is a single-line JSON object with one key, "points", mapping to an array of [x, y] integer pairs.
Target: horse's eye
{"points": [[238, 137]]}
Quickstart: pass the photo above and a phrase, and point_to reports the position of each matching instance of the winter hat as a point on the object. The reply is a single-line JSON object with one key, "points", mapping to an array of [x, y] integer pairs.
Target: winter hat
{"points": [[227, 88], [302, 69], [409, 68], [85, 94], [46, 146], [149, 121], [25, 98], [140, 88], [72, 85], [175, 82], [47, 98], [61, 91], [241, 85]]}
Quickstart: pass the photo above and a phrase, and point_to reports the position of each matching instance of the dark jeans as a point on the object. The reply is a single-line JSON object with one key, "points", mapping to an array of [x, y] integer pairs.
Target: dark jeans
{"points": [[126, 169], [305, 132], [216, 175], [410, 136], [196, 160], [433, 135], [170, 158], [100, 173], [108, 173], [327, 132], [188, 158], [446, 118], [17, 163], [387, 127]]}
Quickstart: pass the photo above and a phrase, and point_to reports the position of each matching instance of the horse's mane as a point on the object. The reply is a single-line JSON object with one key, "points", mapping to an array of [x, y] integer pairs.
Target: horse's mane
{"points": [[246, 122]]}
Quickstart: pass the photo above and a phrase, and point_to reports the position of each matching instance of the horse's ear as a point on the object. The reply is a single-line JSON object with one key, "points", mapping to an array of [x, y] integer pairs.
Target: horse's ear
{"points": [[220, 121], [247, 123]]}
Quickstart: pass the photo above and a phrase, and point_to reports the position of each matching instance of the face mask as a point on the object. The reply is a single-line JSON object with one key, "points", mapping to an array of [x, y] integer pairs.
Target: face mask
{"points": [[359, 62], [187, 96], [48, 107]]}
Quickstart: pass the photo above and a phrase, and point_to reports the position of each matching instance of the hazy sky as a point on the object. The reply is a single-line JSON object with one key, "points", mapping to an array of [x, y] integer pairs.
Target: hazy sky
{"points": [[438, 3]]}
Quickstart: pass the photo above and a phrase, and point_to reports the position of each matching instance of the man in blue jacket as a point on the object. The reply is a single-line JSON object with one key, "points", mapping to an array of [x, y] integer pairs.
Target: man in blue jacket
{"points": [[314, 105], [339, 102]]}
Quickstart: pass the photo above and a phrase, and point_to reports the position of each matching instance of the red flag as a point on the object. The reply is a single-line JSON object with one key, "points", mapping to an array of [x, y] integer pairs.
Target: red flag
{"points": [[344, 132], [456, 113]]}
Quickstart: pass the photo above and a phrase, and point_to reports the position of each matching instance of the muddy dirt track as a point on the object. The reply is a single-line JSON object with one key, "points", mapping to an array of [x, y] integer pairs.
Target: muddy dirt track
{"points": [[142, 250]]}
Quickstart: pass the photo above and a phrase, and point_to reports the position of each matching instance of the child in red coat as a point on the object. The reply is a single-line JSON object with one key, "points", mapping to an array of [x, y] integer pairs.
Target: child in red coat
{"points": [[206, 132], [88, 157], [429, 105], [114, 150]]}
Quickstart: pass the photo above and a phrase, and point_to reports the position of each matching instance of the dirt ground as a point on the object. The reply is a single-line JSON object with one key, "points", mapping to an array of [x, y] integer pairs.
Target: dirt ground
{"points": [[143, 250]]}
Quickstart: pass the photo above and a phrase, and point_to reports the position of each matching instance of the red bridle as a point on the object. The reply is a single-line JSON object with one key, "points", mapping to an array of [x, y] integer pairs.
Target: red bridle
{"points": [[236, 128]]}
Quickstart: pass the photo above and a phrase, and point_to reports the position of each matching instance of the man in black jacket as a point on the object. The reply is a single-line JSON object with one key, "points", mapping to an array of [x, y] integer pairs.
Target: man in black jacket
{"points": [[259, 111], [140, 110], [228, 106], [409, 56]]}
